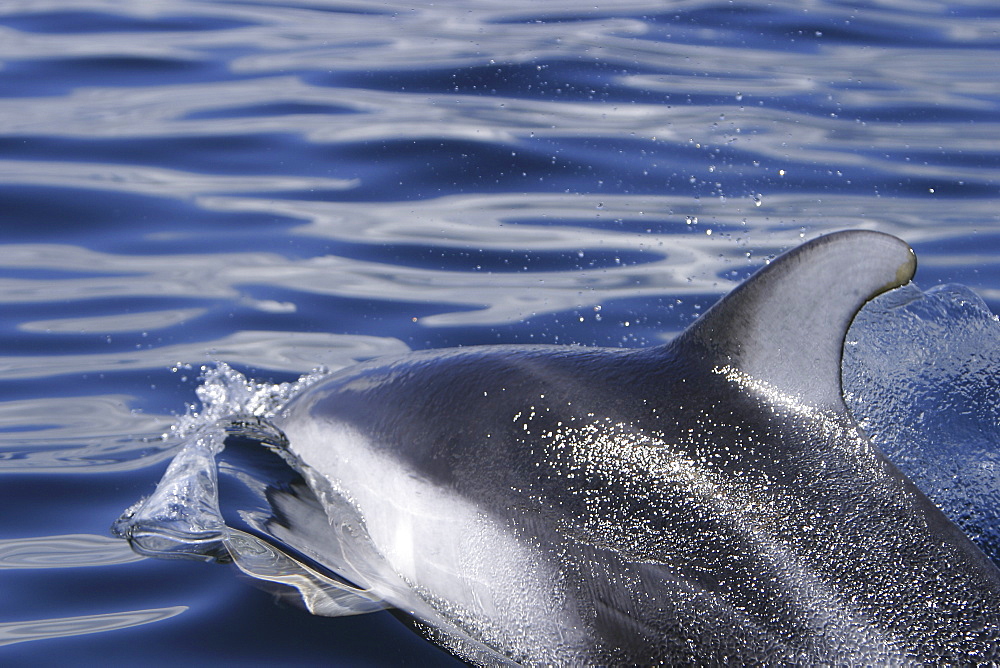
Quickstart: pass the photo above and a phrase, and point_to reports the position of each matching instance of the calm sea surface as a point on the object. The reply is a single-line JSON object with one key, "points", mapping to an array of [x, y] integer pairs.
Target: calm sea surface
{"points": [[288, 185]]}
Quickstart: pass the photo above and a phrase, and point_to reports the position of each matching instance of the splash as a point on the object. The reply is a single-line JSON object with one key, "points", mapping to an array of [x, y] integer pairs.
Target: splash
{"points": [[920, 375], [183, 518]]}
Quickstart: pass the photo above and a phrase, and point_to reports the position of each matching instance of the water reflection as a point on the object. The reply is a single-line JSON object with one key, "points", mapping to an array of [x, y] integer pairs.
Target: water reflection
{"points": [[70, 551], [276, 350], [797, 98], [594, 234], [76, 433], [44, 629]]}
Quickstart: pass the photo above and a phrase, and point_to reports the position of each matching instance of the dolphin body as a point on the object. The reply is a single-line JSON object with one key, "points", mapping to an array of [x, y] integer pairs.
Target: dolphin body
{"points": [[706, 501]]}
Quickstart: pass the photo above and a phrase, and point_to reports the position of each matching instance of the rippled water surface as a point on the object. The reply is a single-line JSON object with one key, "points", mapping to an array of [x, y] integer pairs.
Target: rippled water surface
{"points": [[283, 186]]}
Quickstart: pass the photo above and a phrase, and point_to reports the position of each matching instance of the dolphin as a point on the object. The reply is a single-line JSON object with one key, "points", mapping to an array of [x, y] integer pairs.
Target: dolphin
{"points": [[707, 501]]}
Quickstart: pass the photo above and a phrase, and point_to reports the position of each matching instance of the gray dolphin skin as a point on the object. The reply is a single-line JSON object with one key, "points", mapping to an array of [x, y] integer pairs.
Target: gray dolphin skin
{"points": [[706, 501]]}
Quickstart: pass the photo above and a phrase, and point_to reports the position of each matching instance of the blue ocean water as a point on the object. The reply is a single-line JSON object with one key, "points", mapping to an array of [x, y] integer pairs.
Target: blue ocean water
{"points": [[283, 186]]}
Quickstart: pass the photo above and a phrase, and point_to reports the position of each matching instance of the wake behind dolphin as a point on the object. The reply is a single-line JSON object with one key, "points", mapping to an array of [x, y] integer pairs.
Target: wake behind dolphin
{"points": [[706, 501]]}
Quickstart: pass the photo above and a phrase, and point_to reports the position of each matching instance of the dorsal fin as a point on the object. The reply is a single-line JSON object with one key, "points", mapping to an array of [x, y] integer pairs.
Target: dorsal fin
{"points": [[785, 326]]}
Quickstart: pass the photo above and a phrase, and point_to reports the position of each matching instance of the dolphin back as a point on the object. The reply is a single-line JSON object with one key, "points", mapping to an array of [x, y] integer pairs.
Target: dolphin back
{"points": [[702, 502]]}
